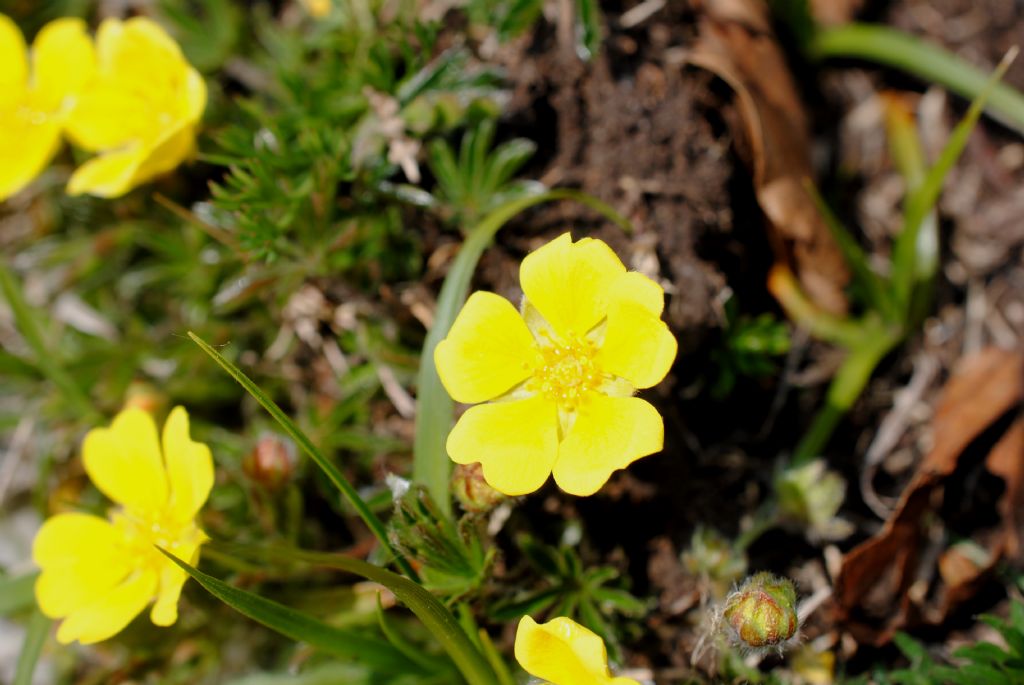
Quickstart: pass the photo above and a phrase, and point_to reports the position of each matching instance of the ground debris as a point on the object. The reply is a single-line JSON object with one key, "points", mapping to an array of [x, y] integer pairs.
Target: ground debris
{"points": [[914, 572]]}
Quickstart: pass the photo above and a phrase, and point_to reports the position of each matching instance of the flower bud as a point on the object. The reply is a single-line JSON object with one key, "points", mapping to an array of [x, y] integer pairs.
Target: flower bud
{"points": [[810, 497], [145, 396], [472, 491], [271, 462], [762, 612]]}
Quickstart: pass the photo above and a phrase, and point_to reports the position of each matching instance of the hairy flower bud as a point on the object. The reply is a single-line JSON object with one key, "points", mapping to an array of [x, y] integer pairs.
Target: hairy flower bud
{"points": [[271, 462], [762, 612], [472, 491], [145, 396]]}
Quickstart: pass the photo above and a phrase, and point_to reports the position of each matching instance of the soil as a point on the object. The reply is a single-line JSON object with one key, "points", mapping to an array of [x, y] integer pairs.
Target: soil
{"points": [[640, 130]]}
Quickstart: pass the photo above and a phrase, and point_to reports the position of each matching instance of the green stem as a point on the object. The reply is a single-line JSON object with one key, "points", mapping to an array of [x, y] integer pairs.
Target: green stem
{"points": [[35, 638], [846, 387], [434, 407], [765, 518], [922, 59], [45, 360]]}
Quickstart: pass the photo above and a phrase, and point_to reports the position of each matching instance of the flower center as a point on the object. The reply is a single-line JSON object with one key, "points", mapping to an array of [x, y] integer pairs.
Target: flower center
{"points": [[566, 372], [141, 532]]}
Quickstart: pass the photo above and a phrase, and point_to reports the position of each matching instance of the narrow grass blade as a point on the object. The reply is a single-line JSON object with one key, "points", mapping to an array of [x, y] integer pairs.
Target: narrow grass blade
{"points": [[353, 645], [434, 615], [35, 638], [434, 408], [908, 156], [923, 200], [429, 662], [45, 360], [303, 441], [874, 288], [931, 63]]}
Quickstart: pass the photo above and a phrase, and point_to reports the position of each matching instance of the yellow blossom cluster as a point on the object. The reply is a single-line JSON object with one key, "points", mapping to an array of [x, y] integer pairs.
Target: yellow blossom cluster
{"points": [[130, 96]]}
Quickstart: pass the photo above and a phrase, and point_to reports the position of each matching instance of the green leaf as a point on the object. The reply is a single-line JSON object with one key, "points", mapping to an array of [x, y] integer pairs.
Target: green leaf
{"points": [[341, 643], [434, 408], [921, 201], [17, 594], [35, 638], [445, 170], [590, 28], [429, 663], [303, 441], [506, 161], [916, 56], [533, 603], [911, 648], [434, 615], [44, 359]]}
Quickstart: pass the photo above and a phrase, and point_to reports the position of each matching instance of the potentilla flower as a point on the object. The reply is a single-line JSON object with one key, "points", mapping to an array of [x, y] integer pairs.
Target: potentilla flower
{"points": [[141, 112], [98, 574], [36, 94], [558, 376], [562, 652]]}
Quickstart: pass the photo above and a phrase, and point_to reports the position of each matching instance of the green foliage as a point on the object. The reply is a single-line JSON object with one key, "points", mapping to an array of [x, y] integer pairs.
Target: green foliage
{"points": [[354, 645], [895, 304], [749, 348], [341, 111], [480, 180], [563, 586], [508, 18], [453, 559]]}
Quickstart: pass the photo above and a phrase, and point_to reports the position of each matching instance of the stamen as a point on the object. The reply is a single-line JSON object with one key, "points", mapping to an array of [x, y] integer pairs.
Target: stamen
{"points": [[566, 372]]}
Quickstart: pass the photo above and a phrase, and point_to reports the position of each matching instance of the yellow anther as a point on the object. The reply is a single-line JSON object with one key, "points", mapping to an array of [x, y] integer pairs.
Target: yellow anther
{"points": [[566, 372]]}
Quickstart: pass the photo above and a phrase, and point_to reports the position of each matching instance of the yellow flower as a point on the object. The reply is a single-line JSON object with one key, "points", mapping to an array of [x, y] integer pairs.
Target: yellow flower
{"points": [[561, 373], [141, 112], [34, 102], [562, 652], [99, 574]]}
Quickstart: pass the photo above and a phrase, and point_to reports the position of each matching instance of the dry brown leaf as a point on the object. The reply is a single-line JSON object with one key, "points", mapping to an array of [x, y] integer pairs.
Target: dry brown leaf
{"points": [[909, 574], [833, 12], [736, 43]]}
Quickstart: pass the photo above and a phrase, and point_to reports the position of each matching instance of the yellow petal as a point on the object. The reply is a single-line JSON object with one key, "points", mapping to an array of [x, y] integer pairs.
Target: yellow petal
{"points": [[488, 350], [125, 464], [194, 96], [27, 144], [563, 652], [609, 433], [172, 148], [569, 283], [189, 467], [108, 615], [63, 62], [107, 116], [172, 578], [81, 561], [635, 287], [637, 346], [109, 175], [516, 443], [14, 59], [139, 51]]}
